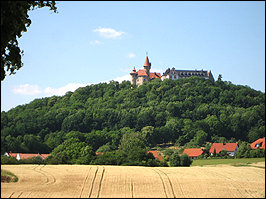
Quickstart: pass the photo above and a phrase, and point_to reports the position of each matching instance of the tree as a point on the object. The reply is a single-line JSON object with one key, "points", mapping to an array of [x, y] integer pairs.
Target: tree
{"points": [[200, 137], [219, 77], [185, 160], [72, 151], [175, 160], [11, 29]]}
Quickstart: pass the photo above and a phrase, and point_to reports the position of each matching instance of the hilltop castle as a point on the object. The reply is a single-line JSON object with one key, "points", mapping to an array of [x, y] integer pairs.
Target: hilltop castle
{"points": [[144, 75]]}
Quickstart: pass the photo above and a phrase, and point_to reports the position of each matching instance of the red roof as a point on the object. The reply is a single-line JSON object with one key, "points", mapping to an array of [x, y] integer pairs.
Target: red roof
{"points": [[12, 154], [142, 72], [155, 75], [28, 155], [193, 152], [147, 63], [155, 155], [223, 146], [133, 71], [258, 143]]}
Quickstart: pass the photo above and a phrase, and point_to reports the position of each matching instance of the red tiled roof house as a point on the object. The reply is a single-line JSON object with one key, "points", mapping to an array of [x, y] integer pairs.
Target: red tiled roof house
{"points": [[258, 143], [156, 155], [20, 156], [193, 152], [231, 148]]}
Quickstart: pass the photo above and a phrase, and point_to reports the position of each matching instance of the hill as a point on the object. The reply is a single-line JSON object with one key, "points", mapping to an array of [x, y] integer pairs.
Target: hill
{"points": [[192, 110]]}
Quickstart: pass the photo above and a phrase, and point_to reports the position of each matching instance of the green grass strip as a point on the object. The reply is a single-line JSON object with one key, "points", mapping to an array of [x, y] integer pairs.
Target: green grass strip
{"points": [[234, 162]]}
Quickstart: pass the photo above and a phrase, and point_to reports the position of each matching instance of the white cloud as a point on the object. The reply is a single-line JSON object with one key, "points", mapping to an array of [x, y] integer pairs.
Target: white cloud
{"points": [[35, 89], [62, 90], [96, 42], [120, 79], [27, 89], [108, 32], [130, 55], [157, 70]]}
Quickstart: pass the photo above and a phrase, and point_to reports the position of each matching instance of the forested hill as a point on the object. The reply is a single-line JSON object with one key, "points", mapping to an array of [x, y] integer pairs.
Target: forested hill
{"points": [[191, 110]]}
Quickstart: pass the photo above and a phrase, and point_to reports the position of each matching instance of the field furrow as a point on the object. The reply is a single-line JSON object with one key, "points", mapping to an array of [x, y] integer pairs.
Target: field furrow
{"points": [[95, 181]]}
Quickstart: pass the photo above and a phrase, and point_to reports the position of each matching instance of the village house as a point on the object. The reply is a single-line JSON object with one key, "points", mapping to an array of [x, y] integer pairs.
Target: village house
{"points": [[20, 156], [193, 153], [231, 148], [258, 143], [156, 155]]}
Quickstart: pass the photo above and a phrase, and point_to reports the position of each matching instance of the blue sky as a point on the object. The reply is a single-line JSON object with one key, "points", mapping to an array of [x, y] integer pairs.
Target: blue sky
{"points": [[91, 42]]}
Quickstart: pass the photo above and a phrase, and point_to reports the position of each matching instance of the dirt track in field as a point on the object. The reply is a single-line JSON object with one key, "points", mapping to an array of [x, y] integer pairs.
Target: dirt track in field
{"points": [[91, 181]]}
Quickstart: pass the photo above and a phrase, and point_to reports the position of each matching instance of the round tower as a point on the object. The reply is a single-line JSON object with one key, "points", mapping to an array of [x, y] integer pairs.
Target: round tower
{"points": [[147, 66], [133, 76]]}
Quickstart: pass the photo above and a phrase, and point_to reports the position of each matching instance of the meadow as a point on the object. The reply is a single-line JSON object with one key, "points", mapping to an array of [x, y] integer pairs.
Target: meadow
{"points": [[233, 162], [98, 181]]}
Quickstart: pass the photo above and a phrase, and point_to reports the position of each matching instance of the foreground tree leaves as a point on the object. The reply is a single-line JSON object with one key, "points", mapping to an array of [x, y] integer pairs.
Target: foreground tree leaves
{"points": [[14, 21]]}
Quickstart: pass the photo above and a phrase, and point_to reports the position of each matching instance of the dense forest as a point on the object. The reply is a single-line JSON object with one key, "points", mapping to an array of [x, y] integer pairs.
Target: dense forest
{"points": [[98, 117]]}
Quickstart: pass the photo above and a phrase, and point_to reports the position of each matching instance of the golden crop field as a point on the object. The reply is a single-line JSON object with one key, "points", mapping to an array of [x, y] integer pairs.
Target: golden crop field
{"points": [[92, 181]]}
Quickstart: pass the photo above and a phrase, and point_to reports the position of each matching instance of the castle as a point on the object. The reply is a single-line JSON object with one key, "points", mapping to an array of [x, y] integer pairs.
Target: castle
{"points": [[144, 75]]}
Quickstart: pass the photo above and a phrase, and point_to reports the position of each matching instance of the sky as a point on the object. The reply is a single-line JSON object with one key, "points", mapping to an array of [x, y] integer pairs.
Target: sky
{"points": [[89, 42]]}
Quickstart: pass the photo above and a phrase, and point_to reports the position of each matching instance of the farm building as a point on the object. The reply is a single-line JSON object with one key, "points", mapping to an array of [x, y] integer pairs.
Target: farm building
{"points": [[258, 143], [193, 152], [231, 148], [156, 155], [20, 156]]}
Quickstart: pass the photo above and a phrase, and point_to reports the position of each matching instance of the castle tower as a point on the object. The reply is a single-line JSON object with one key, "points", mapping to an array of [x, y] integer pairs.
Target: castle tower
{"points": [[133, 76], [147, 66]]}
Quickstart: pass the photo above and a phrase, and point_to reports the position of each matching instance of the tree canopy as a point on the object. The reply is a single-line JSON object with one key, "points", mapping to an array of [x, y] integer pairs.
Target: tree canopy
{"points": [[14, 21], [106, 116]]}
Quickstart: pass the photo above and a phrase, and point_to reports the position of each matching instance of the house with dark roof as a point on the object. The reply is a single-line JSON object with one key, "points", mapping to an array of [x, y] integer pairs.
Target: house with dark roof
{"points": [[193, 152], [20, 156], [179, 74], [231, 148], [258, 143]]}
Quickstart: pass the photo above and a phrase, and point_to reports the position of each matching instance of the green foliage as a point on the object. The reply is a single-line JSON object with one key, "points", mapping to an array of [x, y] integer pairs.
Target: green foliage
{"points": [[12, 28], [200, 137], [118, 117], [185, 160], [72, 151], [175, 160], [168, 152], [8, 160]]}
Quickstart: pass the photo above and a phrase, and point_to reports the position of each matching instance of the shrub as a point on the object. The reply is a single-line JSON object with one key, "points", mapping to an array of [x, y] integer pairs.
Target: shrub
{"points": [[175, 160], [185, 160], [8, 160]]}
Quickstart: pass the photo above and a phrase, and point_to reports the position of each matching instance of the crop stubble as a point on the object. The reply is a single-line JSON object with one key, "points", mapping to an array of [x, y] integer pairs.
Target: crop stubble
{"points": [[93, 181]]}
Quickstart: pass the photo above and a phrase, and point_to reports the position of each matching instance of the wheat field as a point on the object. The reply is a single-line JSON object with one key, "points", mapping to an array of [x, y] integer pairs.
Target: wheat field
{"points": [[95, 181]]}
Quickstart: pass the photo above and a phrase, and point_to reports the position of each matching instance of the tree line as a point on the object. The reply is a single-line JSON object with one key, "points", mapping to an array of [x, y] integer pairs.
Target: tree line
{"points": [[189, 112]]}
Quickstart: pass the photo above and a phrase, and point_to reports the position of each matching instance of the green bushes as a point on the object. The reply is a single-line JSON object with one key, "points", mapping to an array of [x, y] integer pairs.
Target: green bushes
{"points": [[12, 160], [183, 160]]}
